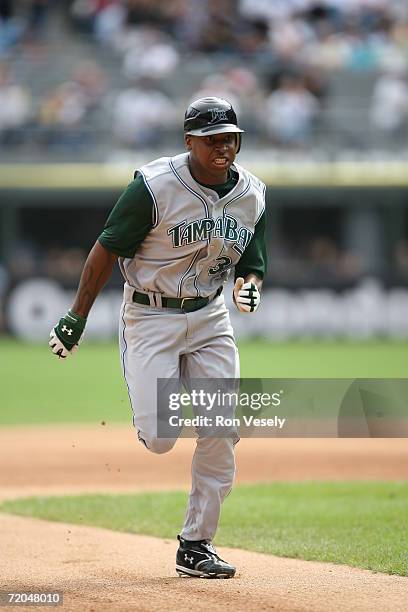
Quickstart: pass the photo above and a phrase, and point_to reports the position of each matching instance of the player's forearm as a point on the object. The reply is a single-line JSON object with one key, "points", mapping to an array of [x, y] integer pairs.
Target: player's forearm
{"points": [[97, 270]]}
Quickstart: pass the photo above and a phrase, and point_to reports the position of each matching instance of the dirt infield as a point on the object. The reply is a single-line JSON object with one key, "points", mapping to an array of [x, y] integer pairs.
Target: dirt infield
{"points": [[102, 570]]}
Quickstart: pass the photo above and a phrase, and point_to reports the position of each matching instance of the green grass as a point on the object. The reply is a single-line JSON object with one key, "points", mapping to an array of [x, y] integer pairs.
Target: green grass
{"points": [[36, 388], [358, 524]]}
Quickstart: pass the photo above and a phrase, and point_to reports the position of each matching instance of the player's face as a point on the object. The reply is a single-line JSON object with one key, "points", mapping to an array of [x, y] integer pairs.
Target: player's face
{"points": [[211, 156]]}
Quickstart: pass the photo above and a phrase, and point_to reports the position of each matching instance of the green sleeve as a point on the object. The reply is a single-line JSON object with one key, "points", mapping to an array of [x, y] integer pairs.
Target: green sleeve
{"points": [[130, 220], [253, 260]]}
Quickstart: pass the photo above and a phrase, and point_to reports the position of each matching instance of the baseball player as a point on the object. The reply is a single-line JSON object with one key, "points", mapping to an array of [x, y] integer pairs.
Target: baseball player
{"points": [[178, 230]]}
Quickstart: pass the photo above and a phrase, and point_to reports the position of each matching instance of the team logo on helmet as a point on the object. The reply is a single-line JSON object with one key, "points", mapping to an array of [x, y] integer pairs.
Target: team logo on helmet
{"points": [[218, 114]]}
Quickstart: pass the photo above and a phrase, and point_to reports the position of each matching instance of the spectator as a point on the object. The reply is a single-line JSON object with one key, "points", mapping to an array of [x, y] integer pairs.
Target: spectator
{"points": [[255, 9], [150, 54], [194, 20], [15, 108], [218, 85], [109, 21], [93, 82], [237, 84], [141, 114], [62, 115], [11, 28], [254, 39], [83, 13], [38, 11], [291, 110], [289, 37], [6, 9], [104, 18], [220, 29], [163, 15], [389, 105]]}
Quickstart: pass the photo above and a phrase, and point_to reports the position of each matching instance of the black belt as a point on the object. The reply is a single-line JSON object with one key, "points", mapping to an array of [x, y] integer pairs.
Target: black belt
{"points": [[187, 304]]}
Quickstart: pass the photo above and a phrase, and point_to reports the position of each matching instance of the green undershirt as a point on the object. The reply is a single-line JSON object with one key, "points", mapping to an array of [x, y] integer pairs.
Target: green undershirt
{"points": [[224, 188]]}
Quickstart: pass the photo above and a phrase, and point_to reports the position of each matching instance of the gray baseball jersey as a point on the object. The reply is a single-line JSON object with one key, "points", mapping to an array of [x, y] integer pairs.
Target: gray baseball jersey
{"points": [[189, 238], [178, 238]]}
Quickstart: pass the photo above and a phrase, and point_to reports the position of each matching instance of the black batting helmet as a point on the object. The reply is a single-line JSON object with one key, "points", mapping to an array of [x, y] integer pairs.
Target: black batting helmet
{"points": [[208, 116]]}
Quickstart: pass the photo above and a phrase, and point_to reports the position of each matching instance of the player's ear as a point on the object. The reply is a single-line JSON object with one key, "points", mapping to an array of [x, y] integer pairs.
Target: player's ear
{"points": [[187, 142], [238, 143]]}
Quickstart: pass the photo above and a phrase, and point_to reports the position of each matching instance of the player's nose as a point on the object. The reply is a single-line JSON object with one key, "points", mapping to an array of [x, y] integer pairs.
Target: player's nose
{"points": [[221, 147]]}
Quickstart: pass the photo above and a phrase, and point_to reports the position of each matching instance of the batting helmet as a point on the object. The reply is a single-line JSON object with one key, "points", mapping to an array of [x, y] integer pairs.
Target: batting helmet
{"points": [[208, 116]]}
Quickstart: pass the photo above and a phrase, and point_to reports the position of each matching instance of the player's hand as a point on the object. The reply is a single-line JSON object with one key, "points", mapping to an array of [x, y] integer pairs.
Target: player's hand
{"points": [[246, 296], [67, 334]]}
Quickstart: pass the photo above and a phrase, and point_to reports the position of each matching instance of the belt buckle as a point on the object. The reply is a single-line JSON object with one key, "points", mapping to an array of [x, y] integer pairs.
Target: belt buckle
{"points": [[184, 299]]}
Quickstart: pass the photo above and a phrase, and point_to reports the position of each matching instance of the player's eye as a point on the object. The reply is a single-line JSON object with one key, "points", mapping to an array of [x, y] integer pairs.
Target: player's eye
{"points": [[228, 139]]}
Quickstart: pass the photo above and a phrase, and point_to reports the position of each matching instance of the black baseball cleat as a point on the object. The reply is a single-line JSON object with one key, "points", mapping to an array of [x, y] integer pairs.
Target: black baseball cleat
{"points": [[199, 558]]}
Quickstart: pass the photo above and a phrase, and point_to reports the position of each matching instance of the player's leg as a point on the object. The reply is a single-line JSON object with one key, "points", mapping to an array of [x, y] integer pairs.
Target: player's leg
{"points": [[213, 355], [149, 340]]}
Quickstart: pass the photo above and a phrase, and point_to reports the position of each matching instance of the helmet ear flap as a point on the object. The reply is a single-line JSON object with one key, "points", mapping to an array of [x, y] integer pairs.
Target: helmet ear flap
{"points": [[239, 140]]}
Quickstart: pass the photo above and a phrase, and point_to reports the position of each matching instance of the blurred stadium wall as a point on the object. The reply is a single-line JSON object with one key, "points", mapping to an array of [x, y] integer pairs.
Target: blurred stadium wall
{"points": [[91, 90]]}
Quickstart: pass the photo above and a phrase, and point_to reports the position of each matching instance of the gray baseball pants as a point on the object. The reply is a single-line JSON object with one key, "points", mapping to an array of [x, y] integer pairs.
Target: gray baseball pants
{"points": [[168, 343]]}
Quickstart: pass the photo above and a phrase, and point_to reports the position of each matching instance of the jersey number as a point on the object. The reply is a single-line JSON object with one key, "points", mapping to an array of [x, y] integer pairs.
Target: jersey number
{"points": [[223, 263]]}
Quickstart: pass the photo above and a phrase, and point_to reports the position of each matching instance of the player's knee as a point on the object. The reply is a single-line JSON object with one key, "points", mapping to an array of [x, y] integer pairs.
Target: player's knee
{"points": [[158, 445]]}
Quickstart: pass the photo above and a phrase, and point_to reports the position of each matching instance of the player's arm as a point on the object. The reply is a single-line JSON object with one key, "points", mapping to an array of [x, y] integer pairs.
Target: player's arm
{"points": [[97, 271], [126, 227], [250, 271], [66, 335]]}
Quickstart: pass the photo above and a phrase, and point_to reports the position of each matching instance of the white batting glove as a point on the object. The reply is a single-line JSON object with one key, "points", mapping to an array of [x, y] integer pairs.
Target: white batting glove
{"points": [[247, 296]]}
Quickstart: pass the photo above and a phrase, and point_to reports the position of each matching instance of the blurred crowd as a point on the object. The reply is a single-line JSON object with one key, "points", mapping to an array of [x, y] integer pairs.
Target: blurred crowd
{"points": [[142, 61], [328, 33]]}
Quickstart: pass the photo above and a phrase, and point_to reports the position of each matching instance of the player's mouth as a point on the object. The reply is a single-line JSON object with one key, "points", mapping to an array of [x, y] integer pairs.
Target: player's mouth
{"points": [[221, 162]]}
